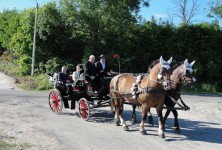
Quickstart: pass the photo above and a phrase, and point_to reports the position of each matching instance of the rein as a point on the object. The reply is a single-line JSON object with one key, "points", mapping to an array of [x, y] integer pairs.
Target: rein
{"points": [[182, 106], [150, 89]]}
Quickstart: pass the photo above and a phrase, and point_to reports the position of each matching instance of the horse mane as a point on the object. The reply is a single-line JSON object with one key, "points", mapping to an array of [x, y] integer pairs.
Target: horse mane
{"points": [[177, 65], [153, 64]]}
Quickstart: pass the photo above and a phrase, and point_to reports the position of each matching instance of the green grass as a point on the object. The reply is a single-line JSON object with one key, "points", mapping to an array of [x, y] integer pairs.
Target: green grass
{"points": [[37, 82], [202, 88], [6, 146], [9, 143]]}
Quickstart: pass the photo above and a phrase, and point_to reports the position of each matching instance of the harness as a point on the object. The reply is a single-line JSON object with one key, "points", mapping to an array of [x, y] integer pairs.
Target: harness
{"points": [[136, 87], [182, 106]]}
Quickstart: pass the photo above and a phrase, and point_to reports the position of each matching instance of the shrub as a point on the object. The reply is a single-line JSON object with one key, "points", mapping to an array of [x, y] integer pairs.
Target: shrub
{"points": [[42, 82], [25, 65]]}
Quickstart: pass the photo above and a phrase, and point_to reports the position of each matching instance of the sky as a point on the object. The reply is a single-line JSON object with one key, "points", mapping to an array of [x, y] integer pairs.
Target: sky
{"points": [[157, 8]]}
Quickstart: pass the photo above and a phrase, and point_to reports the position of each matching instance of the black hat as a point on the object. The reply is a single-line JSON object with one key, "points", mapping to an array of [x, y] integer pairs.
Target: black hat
{"points": [[102, 56]]}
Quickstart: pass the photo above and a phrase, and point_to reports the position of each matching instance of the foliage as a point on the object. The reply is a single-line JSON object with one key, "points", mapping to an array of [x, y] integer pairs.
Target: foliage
{"points": [[39, 82], [24, 64], [42, 82], [53, 65], [215, 9], [9, 23]]}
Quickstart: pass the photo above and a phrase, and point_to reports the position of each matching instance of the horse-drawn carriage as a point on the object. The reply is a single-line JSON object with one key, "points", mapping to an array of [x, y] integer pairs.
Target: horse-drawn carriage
{"points": [[81, 92], [148, 91]]}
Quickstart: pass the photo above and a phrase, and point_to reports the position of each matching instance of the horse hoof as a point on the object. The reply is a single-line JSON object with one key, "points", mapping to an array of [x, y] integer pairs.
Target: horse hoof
{"points": [[125, 128], [143, 132], [162, 136], [117, 124]]}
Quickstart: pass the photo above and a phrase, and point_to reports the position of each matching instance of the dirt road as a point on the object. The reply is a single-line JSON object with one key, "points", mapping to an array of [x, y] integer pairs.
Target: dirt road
{"points": [[27, 121]]}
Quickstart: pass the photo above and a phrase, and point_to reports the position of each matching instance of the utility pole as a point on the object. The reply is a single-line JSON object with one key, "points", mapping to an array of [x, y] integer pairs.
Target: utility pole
{"points": [[34, 39]]}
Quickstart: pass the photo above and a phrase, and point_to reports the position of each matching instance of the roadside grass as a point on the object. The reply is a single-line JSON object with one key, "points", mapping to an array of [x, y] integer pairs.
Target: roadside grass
{"points": [[37, 82], [6, 146], [9, 143], [201, 88]]}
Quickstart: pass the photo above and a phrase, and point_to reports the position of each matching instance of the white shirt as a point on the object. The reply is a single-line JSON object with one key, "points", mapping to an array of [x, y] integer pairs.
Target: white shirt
{"points": [[75, 75]]}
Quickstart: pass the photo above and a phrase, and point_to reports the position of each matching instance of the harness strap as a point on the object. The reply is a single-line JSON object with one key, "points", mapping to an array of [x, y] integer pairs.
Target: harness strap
{"points": [[183, 106]]}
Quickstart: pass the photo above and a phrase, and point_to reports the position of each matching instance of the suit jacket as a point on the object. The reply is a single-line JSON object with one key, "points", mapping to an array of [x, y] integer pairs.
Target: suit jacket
{"points": [[102, 72], [63, 77], [90, 69]]}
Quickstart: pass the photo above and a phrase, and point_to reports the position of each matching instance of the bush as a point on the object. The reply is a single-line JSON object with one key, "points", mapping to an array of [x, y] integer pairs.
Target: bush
{"points": [[53, 65], [39, 82], [25, 65], [42, 82], [9, 68]]}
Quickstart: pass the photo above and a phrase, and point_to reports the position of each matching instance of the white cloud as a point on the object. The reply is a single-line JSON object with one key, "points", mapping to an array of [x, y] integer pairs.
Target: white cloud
{"points": [[158, 16]]}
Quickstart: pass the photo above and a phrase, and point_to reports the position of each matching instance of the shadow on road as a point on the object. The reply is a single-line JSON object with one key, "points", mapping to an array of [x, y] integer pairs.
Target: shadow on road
{"points": [[199, 131], [190, 129]]}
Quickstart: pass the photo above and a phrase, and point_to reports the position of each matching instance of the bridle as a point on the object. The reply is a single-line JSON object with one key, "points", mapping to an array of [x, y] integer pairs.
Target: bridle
{"points": [[184, 76]]}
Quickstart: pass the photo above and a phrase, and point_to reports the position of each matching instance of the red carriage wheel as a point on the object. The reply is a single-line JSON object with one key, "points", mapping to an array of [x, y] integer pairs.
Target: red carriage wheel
{"points": [[55, 101], [84, 110]]}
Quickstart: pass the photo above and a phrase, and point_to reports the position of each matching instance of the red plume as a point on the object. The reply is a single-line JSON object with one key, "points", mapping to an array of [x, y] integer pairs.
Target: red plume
{"points": [[115, 56]]}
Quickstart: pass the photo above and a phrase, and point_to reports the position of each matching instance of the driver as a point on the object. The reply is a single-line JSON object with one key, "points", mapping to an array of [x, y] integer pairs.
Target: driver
{"points": [[91, 73]]}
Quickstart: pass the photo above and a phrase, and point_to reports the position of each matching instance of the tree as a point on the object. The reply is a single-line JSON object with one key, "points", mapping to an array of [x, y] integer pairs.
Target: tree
{"points": [[21, 41], [9, 23], [215, 9], [182, 11]]}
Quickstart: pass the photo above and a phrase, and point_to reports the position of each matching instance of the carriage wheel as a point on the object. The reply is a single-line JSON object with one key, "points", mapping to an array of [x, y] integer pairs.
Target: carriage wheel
{"points": [[55, 101], [84, 110]]}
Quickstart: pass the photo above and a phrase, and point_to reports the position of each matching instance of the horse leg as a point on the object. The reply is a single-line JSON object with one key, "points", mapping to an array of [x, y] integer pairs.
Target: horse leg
{"points": [[165, 117], [115, 110], [159, 110], [122, 121], [144, 116], [176, 124], [134, 115], [116, 118], [150, 117]]}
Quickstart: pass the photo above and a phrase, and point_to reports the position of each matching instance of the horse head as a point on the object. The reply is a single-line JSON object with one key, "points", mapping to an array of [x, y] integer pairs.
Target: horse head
{"points": [[188, 73], [163, 72]]}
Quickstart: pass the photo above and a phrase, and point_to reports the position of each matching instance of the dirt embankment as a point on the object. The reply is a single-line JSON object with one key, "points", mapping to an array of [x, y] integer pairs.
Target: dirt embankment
{"points": [[7, 82]]}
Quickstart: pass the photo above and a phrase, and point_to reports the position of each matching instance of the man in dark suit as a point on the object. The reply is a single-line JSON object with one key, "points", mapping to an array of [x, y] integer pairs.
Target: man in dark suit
{"points": [[65, 87], [103, 70], [91, 73], [102, 66]]}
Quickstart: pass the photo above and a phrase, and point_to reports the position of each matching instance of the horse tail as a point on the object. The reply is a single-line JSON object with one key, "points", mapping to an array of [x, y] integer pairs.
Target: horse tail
{"points": [[114, 92]]}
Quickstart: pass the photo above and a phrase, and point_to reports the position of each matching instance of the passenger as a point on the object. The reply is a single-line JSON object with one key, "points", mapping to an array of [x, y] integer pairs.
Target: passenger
{"points": [[91, 73], [76, 74], [64, 77]]}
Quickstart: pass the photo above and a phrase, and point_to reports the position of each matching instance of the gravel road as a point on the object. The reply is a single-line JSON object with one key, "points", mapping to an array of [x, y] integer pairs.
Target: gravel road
{"points": [[26, 120]]}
